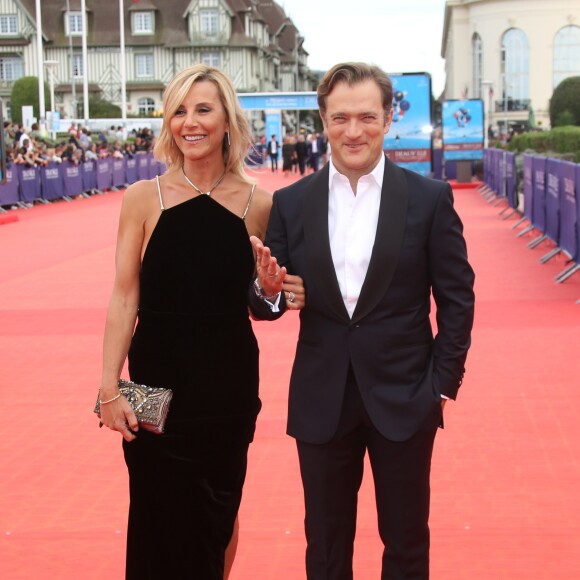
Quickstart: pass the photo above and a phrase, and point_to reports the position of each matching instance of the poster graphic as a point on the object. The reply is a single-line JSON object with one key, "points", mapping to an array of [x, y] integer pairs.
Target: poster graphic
{"points": [[408, 142], [463, 128]]}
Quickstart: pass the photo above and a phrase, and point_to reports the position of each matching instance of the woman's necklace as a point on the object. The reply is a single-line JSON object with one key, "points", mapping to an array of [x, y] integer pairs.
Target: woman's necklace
{"points": [[197, 188]]}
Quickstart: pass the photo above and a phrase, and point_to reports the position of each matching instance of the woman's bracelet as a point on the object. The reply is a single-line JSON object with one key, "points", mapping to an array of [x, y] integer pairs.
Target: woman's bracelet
{"points": [[111, 400]]}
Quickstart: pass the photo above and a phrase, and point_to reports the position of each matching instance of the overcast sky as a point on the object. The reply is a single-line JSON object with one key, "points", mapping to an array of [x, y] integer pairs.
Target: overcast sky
{"points": [[397, 35]]}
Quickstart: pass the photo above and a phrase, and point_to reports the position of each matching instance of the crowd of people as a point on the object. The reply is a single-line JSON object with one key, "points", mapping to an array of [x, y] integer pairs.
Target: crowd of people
{"points": [[30, 148], [299, 152]]}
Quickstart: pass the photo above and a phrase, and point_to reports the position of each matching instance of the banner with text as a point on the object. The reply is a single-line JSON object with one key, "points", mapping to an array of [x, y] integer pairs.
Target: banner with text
{"points": [[408, 142], [463, 128]]}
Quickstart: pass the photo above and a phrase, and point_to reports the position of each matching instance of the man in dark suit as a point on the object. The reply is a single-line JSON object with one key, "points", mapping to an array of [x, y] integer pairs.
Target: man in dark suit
{"points": [[372, 243]]}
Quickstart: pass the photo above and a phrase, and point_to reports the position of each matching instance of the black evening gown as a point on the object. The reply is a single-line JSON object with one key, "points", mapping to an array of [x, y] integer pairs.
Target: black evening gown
{"points": [[194, 336]]}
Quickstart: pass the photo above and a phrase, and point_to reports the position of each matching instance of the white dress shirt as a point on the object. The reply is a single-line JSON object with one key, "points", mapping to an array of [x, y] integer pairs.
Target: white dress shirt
{"points": [[352, 228]]}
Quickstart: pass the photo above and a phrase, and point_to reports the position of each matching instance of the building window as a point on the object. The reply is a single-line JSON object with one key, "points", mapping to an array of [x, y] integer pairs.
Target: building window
{"points": [[209, 21], [144, 65], [77, 66], [143, 23], [515, 55], [211, 59], [73, 23], [8, 25], [477, 65], [566, 53], [146, 106], [10, 68]]}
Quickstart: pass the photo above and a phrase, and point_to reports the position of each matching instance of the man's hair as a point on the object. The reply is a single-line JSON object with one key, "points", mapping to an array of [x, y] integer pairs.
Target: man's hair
{"points": [[353, 73], [234, 152]]}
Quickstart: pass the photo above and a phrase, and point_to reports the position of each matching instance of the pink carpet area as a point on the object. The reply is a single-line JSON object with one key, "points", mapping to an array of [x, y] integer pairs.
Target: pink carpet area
{"points": [[506, 470]]}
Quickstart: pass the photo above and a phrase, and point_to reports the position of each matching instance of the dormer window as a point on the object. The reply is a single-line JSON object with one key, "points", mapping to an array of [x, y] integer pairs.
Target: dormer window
{"points": [[8, 25], [209, 22], [73, 23], [143, 23]]}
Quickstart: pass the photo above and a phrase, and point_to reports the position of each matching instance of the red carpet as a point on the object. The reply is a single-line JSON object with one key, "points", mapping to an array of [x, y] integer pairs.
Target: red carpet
{"points": [[506, 473]]}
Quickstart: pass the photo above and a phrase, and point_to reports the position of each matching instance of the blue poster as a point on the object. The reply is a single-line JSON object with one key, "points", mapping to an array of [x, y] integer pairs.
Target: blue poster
{"points": [[273, 125], [408, 142], [463, 128]]}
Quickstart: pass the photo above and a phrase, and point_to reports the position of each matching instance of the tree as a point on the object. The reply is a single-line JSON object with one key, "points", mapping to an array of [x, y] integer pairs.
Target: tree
{"points": [[25, 93], [565, 104], [100, 108]]}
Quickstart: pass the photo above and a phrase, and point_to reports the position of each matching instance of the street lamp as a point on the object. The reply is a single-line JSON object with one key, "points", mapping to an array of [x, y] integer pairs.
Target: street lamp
{"points": [[50, 65], [487, 96]]}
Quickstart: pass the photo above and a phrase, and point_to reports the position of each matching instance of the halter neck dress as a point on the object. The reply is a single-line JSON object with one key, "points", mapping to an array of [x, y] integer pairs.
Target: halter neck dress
{"points": [[194, 336]]}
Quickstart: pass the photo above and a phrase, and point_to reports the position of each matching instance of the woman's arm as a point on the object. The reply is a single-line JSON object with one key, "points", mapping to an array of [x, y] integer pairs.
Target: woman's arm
{"points": [[122, 311]]}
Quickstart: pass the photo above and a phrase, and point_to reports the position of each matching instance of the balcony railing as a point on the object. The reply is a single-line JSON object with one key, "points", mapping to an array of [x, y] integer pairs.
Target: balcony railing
{"points": [[512, 105]]}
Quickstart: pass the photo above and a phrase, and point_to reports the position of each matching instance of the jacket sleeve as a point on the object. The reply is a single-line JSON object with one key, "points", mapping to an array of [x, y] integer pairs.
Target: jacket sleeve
{"points": [[260, 309], [452, 285]]}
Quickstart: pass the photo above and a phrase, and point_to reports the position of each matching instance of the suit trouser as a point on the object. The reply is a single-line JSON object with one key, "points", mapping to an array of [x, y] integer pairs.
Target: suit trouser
{"points": [[332, 475]]}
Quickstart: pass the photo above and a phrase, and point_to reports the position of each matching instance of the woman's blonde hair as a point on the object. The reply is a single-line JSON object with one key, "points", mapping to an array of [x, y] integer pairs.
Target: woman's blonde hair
{"points": [[234, 149]]}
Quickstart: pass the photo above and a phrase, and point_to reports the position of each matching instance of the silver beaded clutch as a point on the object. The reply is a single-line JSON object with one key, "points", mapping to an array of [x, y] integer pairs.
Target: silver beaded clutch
{"points": [[150, 404]]}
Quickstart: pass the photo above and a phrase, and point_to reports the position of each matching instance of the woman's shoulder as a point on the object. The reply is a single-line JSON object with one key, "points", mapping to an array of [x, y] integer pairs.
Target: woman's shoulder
{"points": [[142, 197]]}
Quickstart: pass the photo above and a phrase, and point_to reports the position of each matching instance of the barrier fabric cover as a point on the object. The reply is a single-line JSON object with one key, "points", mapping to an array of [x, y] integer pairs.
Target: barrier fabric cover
{"points": [[528, 187], [9, 190], [569, 232], [539, 194], [52, 181], [553, 200]]}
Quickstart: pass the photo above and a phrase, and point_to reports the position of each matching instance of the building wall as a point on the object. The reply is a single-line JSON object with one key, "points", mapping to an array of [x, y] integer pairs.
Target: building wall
{"points": [[539, 19]]}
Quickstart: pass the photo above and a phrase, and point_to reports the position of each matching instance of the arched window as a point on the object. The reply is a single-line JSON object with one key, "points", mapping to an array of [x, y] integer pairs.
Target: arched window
{"points": [[566, 53], [477, 64], [146, 106], [515, 56]]}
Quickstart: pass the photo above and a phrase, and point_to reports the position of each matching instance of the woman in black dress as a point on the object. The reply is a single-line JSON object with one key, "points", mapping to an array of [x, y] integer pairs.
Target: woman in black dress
{"points": [[184, 273]]}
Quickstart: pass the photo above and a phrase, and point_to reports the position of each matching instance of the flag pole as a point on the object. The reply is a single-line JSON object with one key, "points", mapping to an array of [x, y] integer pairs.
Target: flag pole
{"points": [[40, 65], [85, 69], [122, 65]]}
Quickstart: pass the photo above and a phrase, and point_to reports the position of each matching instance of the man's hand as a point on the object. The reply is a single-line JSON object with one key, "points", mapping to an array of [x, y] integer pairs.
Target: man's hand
{"points": [[294, 290], [270, 275]]}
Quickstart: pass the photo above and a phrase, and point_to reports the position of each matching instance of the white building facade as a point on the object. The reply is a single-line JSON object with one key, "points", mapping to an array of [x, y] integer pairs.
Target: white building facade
{"points": [[512, 54], [253, 41]]}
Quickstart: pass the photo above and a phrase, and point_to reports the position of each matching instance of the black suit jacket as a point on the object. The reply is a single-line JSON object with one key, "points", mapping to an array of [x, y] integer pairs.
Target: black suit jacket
{"points": [[400, 367]]}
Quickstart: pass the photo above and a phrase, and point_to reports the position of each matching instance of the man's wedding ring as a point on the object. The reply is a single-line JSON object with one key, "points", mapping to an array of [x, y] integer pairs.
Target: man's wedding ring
{"points": [[291, 296]]}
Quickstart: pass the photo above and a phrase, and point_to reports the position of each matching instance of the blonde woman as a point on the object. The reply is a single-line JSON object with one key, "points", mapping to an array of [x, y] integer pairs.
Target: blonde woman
{"points": [[184, 276]]}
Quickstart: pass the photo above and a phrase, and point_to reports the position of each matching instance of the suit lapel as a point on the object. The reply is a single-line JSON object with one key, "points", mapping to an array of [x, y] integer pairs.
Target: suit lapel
{"points": [[317, 242], [388, 240]]}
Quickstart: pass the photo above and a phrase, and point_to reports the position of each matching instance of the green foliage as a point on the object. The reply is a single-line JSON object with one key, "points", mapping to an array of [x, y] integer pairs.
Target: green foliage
{"points": [[100, 109], [564, 119], [565, 104], [561, 142], [25, 93]]}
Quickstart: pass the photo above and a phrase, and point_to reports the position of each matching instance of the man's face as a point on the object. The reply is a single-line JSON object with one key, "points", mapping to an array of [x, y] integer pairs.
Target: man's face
{"points": [[355, 123]]}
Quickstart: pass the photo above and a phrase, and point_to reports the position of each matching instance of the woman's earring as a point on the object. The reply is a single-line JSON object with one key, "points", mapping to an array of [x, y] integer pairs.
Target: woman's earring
{"points": [[229, 142]]}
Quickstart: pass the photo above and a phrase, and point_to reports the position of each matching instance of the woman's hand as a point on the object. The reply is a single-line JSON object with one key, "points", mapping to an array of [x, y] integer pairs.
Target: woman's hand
{"points": [[293, 287], [270, 275], [119, 416]]}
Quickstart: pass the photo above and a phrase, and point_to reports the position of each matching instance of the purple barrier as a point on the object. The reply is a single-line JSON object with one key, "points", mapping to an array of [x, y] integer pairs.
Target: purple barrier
{"points": [[539, 195], [487, 167], [437, 163], [511, 179], [499, 172], [450, 170], [553, 200], [568, 210], [9, 190], [528, 186], [131, 170], [153, 166], [89, 175], [577, 212], [118, 172], [51, 181], [29, 181], [142, 166], [73, 178], [104, 174]]}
